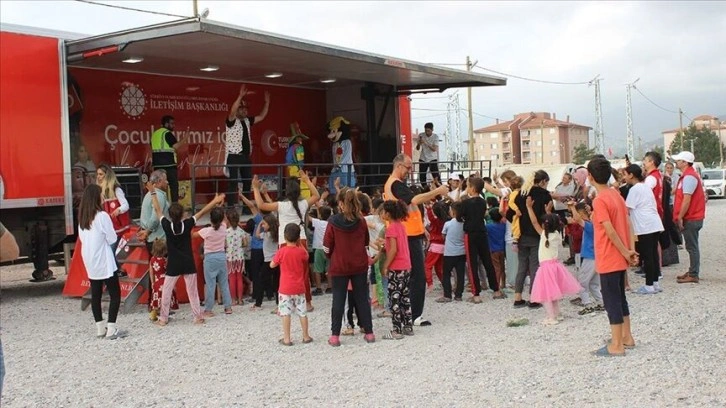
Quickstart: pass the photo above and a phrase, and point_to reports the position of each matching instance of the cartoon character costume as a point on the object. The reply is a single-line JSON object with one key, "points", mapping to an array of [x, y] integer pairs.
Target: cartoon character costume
{"points": [[343, 168], [295, 156]]}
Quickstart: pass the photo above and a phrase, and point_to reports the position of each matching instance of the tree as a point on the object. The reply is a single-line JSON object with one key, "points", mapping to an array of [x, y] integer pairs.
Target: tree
{"points": [[581, 154], [702, 142], [660, 150]]}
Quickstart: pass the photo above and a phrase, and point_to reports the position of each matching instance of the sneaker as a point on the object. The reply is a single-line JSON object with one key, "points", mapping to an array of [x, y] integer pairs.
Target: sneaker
{"points": [[645, 291], [420, 321], [657, 286], [408, 331], [370, 338], [317, 292], [640, 272], [577, 302], [458, 299], [116, 334], [534, 305], [520, 303], [443, 300], [587, 310], [334, 341], [599, 308]]}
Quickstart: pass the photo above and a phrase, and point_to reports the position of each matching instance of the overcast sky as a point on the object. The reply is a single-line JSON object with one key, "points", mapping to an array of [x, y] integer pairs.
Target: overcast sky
{"points": [[677, 49]]}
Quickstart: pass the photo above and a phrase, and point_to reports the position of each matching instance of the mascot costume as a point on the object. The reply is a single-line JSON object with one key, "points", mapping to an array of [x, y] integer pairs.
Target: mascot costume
{"points": [[339, 134], [295, 157]]}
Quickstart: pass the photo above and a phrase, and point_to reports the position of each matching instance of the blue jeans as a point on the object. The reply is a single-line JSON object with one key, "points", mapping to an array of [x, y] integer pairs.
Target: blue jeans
{"points": [[215, 272], [690, 236]]}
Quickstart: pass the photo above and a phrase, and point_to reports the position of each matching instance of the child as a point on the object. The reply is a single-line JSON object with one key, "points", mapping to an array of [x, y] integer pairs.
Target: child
{"points": [[589, 279], [472, 212], [157, 263], [180, 257], [454, 254], [397, 267], [236, 240], [293, 261], [96, 233], [496, 230], [345, 242], [512, 213], [376, 231], [552, 280], [267, 230], [320, 263], [613, 254], [438, 214], [215, 262]]}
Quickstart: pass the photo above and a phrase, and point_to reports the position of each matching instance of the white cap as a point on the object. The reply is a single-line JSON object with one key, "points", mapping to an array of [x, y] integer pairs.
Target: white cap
{"points": [[685, 156], [455, 176]]}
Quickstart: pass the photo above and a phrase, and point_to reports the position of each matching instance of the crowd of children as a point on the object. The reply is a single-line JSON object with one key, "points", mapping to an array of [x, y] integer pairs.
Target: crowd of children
{"points": [[487, 234]]}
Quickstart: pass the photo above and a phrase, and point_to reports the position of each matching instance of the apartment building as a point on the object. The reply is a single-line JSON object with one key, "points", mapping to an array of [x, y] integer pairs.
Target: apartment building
{"points": [[530, 138], [708, 121]]}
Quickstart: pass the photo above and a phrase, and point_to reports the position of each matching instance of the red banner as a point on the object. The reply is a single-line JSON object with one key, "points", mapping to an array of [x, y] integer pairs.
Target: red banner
{"points": [[119, 111], [404, 125]]}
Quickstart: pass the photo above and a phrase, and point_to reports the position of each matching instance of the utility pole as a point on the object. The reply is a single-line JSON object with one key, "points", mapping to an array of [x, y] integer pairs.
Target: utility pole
{"points": [[599, 133], [195, 6], [680, 121], [720, 145], [630, 140], [469, 67]]}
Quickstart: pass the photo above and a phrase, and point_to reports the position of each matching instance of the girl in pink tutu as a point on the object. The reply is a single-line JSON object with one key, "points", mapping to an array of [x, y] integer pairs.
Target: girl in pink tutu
{"points": [[552, 281]]}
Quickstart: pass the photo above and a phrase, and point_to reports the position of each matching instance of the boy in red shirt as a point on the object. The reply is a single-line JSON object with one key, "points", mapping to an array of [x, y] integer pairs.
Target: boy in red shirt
{"points": [[613, 253], [293, 261]]}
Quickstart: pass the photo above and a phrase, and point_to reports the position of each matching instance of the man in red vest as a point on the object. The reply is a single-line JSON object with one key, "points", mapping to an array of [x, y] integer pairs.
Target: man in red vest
{"points": [[689, 210]]}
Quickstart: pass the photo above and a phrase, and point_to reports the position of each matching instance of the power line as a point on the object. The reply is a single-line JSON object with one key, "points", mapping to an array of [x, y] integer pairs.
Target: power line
{"points": [[430, 110], [429, 116], [651, 101], [532, 79], [95, 3]]}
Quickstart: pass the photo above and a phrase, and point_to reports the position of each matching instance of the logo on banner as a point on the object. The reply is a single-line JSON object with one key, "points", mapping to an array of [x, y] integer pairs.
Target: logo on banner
{"points": [[132, 100]]}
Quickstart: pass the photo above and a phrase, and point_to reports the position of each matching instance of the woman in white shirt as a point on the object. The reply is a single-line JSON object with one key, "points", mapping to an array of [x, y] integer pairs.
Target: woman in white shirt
{"points": [[647, 226], [291, 209], [96, 233]]}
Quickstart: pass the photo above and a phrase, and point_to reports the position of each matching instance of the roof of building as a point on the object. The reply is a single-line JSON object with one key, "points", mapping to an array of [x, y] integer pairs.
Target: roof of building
{"points": [[723, 126], [534, 123], [496, 127], [530, 120], [705, 117]]}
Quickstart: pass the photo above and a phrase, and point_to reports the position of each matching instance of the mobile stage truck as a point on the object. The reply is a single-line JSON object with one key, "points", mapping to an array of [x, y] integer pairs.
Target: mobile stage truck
{"points": [[71, 102]]}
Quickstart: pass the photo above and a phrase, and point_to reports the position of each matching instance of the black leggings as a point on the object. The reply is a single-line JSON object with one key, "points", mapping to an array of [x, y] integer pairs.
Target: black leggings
{"points": [[647, 247], [268, 280], [360, 296], [612, 287], [478, 243], [352, 307], [114, 292], [417, 280]]}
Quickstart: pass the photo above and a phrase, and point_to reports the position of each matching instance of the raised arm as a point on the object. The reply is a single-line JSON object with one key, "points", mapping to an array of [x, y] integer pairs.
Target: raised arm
{"points": [[218, 199], [262, 205], [314, 195], [235, 106], [259, 118], [249, 204], [575, 215], [154, 201]]}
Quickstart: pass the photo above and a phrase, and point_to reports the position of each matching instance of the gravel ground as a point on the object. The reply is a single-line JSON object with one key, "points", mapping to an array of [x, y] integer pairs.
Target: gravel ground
{"points": [[468, 357]]}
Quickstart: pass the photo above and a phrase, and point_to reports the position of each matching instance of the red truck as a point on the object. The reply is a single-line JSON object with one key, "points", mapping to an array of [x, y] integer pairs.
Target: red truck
{"points": [[70, 102]]}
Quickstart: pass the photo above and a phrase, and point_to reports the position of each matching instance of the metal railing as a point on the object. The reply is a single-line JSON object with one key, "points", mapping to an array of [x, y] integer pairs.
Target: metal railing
{"points": [[368, 176]]}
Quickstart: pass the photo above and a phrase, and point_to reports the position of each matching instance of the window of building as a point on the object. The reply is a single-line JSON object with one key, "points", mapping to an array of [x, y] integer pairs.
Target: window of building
{"points": [[494, 135], [539, 143], [539, 132], [553, 153], [552, 131], [553, 142], [494, 146]]}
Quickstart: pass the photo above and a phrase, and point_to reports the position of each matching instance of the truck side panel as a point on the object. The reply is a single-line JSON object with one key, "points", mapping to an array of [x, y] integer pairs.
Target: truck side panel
{"points": [[31, 151]]}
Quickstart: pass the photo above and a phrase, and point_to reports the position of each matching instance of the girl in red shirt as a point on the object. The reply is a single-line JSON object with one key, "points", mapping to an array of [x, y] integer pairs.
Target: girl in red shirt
{"points": [[438, 214]]}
